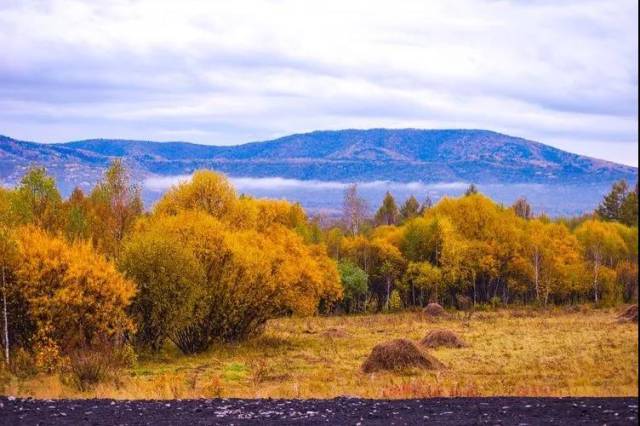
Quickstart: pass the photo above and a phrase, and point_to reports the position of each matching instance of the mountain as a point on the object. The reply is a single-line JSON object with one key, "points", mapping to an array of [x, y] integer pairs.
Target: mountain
{"points": [[399, 155]]}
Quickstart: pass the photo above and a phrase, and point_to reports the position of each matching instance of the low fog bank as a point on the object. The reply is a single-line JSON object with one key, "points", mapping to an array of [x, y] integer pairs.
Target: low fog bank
{"points": [[326, 196]]}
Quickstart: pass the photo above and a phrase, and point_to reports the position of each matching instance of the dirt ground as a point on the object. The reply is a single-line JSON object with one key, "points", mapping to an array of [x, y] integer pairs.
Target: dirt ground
{"points": [[353, 411]]}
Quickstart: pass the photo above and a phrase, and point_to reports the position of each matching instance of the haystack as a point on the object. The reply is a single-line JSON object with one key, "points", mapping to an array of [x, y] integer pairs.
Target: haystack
{"points": [[630, 314], [446, 338], [397, 355], [434, 310]]}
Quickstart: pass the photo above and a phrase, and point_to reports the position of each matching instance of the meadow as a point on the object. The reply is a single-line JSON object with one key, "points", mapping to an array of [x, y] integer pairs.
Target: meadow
{"points": [[553, 352]]}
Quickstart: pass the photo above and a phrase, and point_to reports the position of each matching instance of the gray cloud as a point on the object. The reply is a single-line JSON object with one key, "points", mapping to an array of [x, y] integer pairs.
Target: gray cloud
{"points": [[561, 73]]}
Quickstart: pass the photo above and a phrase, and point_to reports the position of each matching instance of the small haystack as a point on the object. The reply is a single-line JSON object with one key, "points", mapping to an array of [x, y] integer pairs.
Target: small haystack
{"points": [[446, 338], [630, 314], [434, 310], [397, 355]]}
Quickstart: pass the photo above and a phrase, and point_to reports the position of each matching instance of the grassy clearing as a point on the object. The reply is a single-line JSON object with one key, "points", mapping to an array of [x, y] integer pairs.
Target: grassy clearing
{"points": [[554, 353]]}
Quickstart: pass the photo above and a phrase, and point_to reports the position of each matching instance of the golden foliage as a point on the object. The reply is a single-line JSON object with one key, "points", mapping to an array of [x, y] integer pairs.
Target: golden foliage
{"points": [[73, 294], [250, 274]]}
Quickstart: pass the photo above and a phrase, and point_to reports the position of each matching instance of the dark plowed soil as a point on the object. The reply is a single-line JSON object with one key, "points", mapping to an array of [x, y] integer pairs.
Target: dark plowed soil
{"points": [[467, 411]]}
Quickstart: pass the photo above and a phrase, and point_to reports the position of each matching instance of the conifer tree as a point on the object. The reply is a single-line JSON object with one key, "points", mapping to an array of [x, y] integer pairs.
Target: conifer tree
{"points": [[410, 209], [387, 214], [611, 206], [472, 189]]}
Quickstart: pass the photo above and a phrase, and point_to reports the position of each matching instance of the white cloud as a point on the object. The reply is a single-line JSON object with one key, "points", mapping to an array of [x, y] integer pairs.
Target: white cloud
{"points": [[563, 73]]}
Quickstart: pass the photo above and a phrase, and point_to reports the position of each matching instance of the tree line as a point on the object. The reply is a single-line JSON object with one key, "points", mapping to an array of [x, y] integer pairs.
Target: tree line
{"points": [[473, 250], [206, 265]]}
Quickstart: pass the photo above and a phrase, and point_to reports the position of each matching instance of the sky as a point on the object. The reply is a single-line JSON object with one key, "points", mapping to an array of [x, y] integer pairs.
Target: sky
{"points": [[562, 73]]}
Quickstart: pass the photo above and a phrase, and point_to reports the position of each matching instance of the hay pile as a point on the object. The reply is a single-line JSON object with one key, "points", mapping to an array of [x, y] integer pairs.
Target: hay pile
{"points": [[434, 310], [446, 338], [630, 314], [397, 355]]}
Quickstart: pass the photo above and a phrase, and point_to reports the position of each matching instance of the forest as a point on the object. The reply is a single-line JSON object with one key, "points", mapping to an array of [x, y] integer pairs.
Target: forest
{"points": [[96, 278]]}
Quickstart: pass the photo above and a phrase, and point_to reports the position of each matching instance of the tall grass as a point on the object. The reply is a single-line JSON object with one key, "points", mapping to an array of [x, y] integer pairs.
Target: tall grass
{"points": [[583, 352]]}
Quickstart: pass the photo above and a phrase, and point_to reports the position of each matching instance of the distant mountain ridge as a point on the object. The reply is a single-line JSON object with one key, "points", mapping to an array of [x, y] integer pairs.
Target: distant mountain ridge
{"points": [[397, 155]]}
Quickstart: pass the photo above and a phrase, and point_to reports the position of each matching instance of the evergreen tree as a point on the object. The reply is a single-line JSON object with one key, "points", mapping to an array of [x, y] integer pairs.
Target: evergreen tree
{"points": [[410, 209], [629, 208], [611, 206], [387, 214], [472, 189]]}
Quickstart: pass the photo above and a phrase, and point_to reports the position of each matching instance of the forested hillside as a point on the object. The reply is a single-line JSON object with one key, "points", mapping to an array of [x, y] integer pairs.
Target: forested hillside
{"points": [[397, 155]]}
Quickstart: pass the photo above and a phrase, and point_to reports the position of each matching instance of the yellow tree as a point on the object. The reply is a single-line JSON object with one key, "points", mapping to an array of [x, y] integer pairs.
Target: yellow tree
{"points": [[36, 200], [207, 191], [74, 296], [249, 276], [115, 204], [424, 277], [7, 263], [602, 247], [555, 256]]}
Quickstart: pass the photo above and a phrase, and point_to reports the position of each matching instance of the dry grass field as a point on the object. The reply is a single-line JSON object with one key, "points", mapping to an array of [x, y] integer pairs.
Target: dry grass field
{"points": [[551, 353]]}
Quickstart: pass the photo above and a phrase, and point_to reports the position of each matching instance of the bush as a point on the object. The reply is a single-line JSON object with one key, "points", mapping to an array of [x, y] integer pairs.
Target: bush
{"points": [[88, 367], [72, 294], [247, 278], [395, 302], [169, 280], [23, 364], [495, 302]]}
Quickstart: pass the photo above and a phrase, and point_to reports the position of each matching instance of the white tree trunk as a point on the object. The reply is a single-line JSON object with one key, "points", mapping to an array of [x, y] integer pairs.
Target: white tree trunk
{"points": [[596, 266], [4, 314], [536, 266]]}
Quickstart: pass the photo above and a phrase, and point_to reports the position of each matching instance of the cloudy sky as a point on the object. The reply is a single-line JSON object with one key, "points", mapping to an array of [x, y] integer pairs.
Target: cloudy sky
{"points": [[563, 73]]}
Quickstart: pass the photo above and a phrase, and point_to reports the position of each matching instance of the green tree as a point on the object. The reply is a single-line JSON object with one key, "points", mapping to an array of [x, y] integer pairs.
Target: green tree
{"points": [[629, 208], [37, 200], [355, 285], [77, 221], [422, 240], [169, 280], [611, 206], [410, 209], [387, 214]]}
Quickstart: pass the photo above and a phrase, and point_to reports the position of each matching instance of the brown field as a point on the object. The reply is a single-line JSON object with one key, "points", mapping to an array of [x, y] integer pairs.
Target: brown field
{"points": [[517, 352]]}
